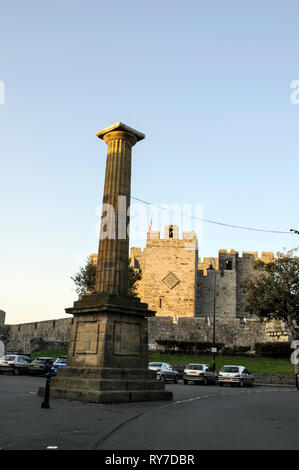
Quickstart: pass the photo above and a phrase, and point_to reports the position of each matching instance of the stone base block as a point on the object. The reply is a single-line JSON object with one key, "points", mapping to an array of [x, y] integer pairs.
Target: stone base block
{"points": [[107, 385], [93, 396]]}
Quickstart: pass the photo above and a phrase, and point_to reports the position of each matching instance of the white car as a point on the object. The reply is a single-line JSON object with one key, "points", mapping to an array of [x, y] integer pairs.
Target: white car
{"points": [[199, 373], [15, 363], [235, 375], [164, 372]]}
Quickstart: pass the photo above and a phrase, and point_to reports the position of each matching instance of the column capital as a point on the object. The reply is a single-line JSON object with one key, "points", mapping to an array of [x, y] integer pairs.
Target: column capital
{"points": [[120, 130]]}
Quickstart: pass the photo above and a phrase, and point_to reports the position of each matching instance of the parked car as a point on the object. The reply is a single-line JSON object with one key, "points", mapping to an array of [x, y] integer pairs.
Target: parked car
{"points": [[235, 375], [15, 363], [200, 373], [41, 365], [164, 371], [59, 362]]}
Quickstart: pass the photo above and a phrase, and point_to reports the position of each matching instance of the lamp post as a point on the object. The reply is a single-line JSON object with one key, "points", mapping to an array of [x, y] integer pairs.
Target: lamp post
{"points": [[296, 346], [211, 268]]}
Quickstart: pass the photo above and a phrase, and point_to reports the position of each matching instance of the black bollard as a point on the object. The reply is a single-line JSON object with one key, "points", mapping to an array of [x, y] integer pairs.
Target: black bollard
{"points": [[45, 403]]}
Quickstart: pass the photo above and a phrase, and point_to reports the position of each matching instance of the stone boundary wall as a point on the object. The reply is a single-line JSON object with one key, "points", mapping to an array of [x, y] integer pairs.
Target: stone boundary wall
{"points": [[54, 334], [230, 331], [30, 337]]}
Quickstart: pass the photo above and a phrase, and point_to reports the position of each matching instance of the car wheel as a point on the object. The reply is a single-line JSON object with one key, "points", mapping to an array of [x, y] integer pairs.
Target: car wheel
{"points": [[216, 380], [16, 371], [205, 381], [241, 383], [162, 378], [185, 382], [251, 383]]}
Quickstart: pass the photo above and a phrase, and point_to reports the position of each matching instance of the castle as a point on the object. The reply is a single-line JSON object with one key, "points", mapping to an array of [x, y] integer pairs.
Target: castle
{"points": [[176, 283], [184, 292]]}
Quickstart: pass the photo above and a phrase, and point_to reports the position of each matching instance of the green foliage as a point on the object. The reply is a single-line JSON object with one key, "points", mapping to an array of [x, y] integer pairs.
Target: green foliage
{"points": [[188, 346], [236, 350], [134, 275], [275, 349], [85, 279], [49, 353], [274, 293]]}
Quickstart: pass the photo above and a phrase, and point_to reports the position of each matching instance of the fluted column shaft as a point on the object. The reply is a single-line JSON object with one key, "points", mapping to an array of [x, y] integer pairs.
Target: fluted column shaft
{"points": [[113, 254]]}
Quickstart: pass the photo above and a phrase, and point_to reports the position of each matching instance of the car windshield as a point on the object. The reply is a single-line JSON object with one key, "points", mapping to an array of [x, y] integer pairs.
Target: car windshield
{"points": [[156, 364], [230, 369], [194, 367], [61, 360], [40, 361]]}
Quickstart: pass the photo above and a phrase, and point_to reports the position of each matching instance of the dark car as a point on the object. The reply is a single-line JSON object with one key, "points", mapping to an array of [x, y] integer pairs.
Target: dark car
{"points": [[41, 365], [59, 362]]}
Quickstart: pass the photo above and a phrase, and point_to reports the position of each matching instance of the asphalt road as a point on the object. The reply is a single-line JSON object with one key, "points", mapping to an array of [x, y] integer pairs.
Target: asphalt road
{"points": [[199, 417]]}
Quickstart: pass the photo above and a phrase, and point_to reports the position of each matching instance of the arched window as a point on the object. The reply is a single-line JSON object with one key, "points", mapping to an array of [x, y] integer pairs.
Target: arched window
{"points": [[170, 232]]}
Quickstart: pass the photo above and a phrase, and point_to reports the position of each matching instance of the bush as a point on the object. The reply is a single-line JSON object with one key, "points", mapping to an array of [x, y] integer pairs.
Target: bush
{"points": [[236, 350], [187, 346], [274, 350], [168, 344]]}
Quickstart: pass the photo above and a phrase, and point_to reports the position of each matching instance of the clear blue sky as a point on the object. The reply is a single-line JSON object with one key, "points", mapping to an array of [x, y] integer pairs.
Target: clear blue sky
{"points": [[207, 82]]}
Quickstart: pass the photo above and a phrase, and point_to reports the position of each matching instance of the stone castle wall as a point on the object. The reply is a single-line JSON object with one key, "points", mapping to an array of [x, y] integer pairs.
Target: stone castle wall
{"points": [[29, 337], [54, 334], [230, 331]]}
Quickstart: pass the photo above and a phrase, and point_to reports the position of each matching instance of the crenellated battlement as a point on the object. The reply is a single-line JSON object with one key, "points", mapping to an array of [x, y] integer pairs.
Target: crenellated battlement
{"points": [[171, 234]]}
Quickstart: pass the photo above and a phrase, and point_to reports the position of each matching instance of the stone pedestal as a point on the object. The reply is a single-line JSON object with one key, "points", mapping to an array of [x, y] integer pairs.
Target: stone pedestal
{"points": [[108, 353]]}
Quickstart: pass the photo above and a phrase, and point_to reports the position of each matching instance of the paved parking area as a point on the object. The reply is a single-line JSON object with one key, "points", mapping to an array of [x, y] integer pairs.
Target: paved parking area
{"points": [[199, 417]]}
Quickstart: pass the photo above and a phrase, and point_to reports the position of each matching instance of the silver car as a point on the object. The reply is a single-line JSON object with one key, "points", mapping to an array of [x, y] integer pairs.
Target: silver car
{"points": [[235, 375], [164, 372], [199, 373], [15, 363]]}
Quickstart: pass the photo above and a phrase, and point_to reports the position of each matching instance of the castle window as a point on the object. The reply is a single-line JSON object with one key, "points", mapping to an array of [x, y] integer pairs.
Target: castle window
{"points": [[136, 263], [171, 232], [229, 265], [161, 302]]}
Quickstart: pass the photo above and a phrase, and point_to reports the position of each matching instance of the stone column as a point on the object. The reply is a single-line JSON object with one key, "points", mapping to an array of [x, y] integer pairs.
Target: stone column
{"points": [[108, 350], [113, 254]]}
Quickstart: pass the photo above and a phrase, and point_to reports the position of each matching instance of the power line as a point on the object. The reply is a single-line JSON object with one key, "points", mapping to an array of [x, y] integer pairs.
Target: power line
{"points": [[211, 221]]}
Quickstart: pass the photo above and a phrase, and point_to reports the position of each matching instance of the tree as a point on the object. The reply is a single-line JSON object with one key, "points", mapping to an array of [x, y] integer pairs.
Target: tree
{"points": [[274, 293], [85, 279]]}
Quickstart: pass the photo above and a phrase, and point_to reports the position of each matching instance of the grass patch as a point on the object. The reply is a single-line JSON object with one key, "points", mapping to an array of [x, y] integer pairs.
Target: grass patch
{"points": [[253, 364], [50, 353]]}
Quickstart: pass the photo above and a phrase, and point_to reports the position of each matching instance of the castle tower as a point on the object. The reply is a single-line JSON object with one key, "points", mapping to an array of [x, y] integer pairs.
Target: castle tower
{"points": [[169, 270]]}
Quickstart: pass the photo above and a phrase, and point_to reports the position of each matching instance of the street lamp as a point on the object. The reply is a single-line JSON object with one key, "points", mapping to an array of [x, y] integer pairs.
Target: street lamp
{"points": [[211, 268], [295, 346]]}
